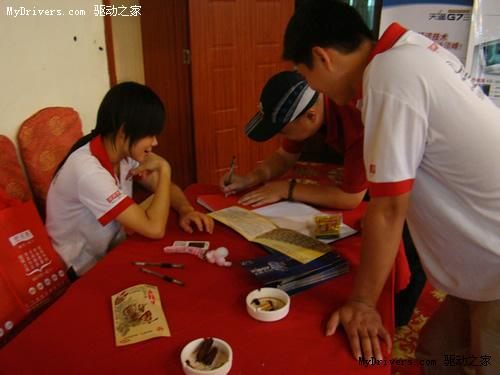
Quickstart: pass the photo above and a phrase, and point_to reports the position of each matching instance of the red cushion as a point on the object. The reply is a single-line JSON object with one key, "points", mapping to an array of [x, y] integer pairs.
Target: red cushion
{"points": [[12, 179], [44, 140]]}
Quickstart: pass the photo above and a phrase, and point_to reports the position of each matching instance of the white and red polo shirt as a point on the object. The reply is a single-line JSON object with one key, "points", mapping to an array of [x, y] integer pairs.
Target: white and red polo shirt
{"points": [[430, 130], [83, 200], [344, 134]]}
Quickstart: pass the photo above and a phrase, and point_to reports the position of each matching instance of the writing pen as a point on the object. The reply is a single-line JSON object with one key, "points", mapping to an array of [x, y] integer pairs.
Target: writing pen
{"points": [[229, 176], [163, 265], [162, 276]]}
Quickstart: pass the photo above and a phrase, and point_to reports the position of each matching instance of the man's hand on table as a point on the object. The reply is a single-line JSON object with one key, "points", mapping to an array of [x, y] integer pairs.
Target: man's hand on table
{"points": [[191, 218], [271, 192], [363, 326]]}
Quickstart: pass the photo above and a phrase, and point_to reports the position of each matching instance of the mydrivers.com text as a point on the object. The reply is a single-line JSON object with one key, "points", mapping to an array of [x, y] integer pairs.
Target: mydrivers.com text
{"points": [[98, 10], [372, 361], [448, 360], [22, 11]]}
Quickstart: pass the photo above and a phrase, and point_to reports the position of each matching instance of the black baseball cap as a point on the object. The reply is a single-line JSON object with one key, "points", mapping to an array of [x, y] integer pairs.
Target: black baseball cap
{"points": [[285, 97]]}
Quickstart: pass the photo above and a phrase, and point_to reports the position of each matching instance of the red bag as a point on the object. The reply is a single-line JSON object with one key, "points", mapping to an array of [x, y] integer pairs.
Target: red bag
{"points": [[31, 272]]}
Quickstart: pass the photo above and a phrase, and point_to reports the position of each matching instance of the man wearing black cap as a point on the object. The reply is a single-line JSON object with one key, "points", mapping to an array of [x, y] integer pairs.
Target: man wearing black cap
{"points": [[290, 107]]}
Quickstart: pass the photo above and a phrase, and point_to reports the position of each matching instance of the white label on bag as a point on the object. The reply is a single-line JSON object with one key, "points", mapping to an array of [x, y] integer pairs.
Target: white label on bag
{"points": [[20, 237]]}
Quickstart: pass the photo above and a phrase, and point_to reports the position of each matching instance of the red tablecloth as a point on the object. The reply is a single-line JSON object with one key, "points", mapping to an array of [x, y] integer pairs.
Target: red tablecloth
{"points": [[75, 335]]}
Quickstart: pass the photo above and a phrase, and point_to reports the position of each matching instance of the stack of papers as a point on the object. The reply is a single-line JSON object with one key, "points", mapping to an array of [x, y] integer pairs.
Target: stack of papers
{"points": [[281, 271]]}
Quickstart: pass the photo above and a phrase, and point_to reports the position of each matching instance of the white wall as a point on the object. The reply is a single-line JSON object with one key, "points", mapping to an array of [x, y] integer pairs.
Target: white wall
{"points": [[41, 64], [127, 45]]}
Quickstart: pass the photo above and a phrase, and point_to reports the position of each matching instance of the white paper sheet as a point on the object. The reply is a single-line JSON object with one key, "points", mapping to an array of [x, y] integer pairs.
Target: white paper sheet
{"points": [[299, 217]]}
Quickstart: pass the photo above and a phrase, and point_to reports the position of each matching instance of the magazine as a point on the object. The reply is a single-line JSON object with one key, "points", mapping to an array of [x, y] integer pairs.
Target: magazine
{"points": [[280, 271], [291, 215], [259, 229]]}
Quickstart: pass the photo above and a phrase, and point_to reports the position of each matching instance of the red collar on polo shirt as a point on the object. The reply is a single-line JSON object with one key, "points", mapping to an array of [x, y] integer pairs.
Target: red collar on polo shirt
{"points": [[390, 36], [97, 149]]}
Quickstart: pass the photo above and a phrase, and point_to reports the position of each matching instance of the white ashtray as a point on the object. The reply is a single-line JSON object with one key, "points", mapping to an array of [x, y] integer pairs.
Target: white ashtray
{"points": [[268, 304], [220, 364]]}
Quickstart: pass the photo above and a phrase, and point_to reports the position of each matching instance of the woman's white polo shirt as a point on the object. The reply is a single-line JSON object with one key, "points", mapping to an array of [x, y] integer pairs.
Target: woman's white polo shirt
{"points": [[83, 200]]}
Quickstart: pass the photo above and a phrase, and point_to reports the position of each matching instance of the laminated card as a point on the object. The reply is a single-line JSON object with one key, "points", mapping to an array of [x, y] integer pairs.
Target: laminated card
{"points": [[137, 315]]}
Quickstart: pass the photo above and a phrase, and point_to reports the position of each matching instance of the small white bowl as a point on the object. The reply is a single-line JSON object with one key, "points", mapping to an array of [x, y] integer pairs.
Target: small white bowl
{"points": [[261, 295], [224, 356]]}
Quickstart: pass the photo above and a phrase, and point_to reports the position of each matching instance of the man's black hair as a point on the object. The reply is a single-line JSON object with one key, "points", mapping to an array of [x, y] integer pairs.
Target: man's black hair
{"points": [[130, 104], [323, 23]]}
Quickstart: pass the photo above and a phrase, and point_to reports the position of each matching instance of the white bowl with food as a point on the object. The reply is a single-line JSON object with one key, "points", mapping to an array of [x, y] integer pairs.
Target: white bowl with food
{"points": [[207, 356], [268, 304]]}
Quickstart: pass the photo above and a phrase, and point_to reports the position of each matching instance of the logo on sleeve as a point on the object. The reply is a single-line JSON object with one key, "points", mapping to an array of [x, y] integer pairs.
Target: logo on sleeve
{"points": [[373, 169], [433, 47], [113, 197]]}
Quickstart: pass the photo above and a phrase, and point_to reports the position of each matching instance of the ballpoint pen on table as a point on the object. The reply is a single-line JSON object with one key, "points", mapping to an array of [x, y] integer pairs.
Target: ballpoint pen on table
{"points": [[162, 276], [229, 176], [163, 265]]}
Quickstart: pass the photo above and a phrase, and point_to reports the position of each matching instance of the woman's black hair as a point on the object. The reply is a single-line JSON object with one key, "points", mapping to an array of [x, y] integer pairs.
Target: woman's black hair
{"points": [[130, 104]]}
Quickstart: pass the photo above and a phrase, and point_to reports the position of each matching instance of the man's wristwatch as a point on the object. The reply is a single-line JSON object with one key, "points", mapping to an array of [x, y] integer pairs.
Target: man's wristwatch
{"points": [[291, 186]]}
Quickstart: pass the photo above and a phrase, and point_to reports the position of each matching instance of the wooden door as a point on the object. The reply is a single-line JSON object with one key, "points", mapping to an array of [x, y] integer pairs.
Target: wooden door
{"points": [[164, 27], [236, 46]]}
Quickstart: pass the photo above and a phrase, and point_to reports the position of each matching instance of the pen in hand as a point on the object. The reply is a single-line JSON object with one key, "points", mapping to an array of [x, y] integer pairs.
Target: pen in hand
{"points": [[229, 176], [163, 265], [162, 276]]}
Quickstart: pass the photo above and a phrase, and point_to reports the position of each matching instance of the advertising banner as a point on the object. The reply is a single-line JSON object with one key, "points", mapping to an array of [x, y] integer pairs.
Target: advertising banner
{"points": [[447, 22], [483, 54]]}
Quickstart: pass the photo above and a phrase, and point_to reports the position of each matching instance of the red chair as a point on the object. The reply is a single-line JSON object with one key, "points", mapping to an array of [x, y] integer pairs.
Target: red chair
{"points": [[44, 140], [12, 179]]}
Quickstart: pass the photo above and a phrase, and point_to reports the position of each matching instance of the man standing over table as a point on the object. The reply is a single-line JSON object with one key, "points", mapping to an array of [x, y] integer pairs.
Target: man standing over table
{"points": [[431, 155]]}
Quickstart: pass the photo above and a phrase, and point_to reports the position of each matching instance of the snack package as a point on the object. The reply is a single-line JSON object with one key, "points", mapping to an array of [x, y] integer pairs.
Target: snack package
{"points": [[328, 225], [137, 315]]}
